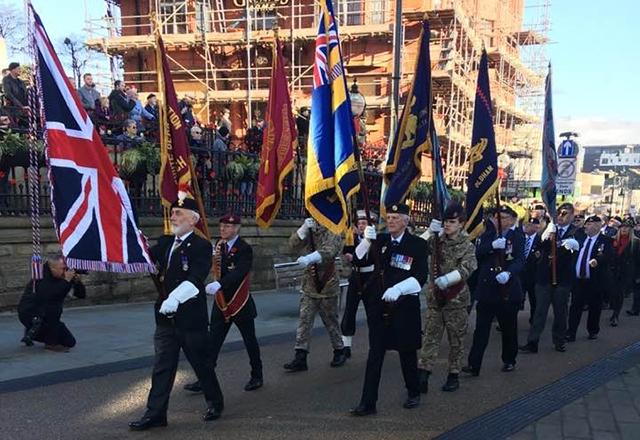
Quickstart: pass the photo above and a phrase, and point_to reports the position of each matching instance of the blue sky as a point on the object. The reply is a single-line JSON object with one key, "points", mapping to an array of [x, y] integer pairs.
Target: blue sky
{"points": [[593, 52]]}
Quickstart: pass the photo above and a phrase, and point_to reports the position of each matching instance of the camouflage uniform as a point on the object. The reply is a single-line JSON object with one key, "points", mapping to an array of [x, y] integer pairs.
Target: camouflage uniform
{"points": [[326, 302], [456, 254]]}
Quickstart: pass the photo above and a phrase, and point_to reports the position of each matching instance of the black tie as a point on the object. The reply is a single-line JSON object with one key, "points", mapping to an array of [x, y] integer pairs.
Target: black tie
{"points": [[560, 233]]}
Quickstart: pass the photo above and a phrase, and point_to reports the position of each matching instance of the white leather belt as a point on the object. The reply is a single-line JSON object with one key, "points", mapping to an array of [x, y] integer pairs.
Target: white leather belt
{"points": [[366, 269]]}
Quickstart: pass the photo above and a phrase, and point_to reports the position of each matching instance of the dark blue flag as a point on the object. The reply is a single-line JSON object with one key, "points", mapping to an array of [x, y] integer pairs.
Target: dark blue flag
{"points": [[549, 156], [483, 158]]}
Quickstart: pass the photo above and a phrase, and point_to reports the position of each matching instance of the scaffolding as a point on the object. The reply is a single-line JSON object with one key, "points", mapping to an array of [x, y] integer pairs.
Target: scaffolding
{"points": [[220, 52]]}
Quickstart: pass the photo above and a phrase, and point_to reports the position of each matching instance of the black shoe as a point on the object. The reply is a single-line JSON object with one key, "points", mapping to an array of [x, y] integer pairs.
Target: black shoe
{"points": [[362, 410], [411, 402], [569, 338], [254, 383], [423, 377], [299, 362], [452, 383], [561, 347], [347, 352], [614, 321], [632, 313], [529, 347], [212, 413], [193, 387], [339, 359], [471, 370], [147, 423], [592, 336], [507, 368]]}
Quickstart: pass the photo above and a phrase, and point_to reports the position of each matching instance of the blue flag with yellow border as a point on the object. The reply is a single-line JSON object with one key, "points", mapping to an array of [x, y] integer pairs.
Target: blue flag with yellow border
{"points": [[332, 175], [549, 154], [483, 157], [414, 136]]}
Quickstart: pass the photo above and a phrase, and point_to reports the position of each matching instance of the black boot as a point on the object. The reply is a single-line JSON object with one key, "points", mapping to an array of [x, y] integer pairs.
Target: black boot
{"points": [[452, 383], [255, 382], [339, 359], [347, 352], [423, 376], [299, 362]]}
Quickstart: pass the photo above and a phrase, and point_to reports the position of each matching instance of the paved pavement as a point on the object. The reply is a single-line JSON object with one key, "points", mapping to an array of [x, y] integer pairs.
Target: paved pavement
{"points": [[93, 391]]}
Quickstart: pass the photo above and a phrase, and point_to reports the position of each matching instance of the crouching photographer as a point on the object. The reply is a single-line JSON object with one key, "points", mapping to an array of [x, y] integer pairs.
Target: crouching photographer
{"points": [[40, 309]]}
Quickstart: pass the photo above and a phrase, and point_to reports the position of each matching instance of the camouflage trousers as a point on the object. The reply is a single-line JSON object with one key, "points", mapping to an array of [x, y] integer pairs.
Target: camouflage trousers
{"points": [[328, 310], [456, 321]]}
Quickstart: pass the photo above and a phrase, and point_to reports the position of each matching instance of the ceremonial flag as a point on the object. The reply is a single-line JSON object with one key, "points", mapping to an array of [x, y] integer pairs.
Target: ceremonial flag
{"points": [[440, 187], [414, 136], [279, 140], [176, 169], [549, 156], [483, 158], [332, 176], [91, 209]]}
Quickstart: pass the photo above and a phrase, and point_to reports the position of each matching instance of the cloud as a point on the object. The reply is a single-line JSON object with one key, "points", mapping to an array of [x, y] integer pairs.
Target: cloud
{"points": [[597, 131]]}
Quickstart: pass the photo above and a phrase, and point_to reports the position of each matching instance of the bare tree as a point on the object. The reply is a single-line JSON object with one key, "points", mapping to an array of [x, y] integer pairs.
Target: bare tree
{"points": [[76, 56], [12, 27]]}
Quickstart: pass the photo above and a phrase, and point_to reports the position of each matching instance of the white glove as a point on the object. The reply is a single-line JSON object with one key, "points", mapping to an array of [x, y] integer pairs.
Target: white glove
{"points": [[212, 288], [571, 244], [392, 294], [551, 229], [448, 279], [503, 277], [306, 226], [435, 226], [169, 306], [363, 248], [312, 258], [499, 243], [370, 233]]}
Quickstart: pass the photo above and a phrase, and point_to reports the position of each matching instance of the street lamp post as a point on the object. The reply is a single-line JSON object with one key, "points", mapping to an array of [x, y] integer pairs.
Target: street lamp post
{"points": [[358, 106]]}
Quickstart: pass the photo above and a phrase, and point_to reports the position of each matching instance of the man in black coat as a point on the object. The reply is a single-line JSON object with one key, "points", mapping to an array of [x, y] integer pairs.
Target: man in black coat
{"points": [[40, 311], [592, 271], [184, 262], [567, 237], [120, 105], [531, 255], [499, 292], [233, 302], [394, 310]]}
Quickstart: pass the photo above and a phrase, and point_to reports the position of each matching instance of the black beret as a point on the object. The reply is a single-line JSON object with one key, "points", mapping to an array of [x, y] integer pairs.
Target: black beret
{"points": [[504, 209], [186, 203], [629, 222], [230, 219], [566, 205], [617, 218], [454, 211], [398, 208], [593, 218], [13, 65], [539, 207], [533, 221]]}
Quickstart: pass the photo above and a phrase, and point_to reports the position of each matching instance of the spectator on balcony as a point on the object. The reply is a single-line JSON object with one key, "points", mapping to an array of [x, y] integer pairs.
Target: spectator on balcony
{"points": [[138, 113], [222, 140], [225, 120], [186, 109], [15, 93], [119, 104], [152, 106], [253, 139], [302, 124], [130, 137], [102, 116], [88, 93], [196, 141]]}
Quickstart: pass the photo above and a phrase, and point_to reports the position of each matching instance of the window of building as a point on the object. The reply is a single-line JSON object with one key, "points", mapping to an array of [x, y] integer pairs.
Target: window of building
{"points": [[596, 189], [173, 16], [350, 12], [262, 20]]}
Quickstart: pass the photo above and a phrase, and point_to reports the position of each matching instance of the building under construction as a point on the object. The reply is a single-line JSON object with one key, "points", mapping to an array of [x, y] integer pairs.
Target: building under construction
{"points": [[221, 52]]}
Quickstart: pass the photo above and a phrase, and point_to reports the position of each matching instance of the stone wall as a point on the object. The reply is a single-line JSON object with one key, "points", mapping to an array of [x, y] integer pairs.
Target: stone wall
{"points": [[269, 247]]}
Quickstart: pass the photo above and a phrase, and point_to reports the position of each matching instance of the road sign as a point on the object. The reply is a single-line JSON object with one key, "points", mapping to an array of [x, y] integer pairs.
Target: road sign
{"points": [[567, 171]]}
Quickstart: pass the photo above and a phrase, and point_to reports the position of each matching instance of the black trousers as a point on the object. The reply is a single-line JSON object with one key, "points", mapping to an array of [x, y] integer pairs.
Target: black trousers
{"points": [[507, 314], [348, 323], [167, 343], [585, 291], [51, 333], [530, 291], [218, 333]]}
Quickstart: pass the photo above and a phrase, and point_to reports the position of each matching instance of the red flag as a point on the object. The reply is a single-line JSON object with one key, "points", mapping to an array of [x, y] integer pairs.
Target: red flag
{"points": [[278, 141], [176, 171]]}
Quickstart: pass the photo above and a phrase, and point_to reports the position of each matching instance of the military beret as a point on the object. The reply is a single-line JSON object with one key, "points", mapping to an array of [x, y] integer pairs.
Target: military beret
{"points": [[186, 203], [593, 218], [504, 209], [454, 211], [579, 217], [398, 208], [566, 205], [533, 221], [13, 65], [230, 219], [617, 218], [539, 207], [629, 222]]}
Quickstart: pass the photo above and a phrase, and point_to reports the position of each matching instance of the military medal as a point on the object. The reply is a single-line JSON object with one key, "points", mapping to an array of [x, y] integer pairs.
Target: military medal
{"points": [[232, 266], [185, 263], [401, 261]]}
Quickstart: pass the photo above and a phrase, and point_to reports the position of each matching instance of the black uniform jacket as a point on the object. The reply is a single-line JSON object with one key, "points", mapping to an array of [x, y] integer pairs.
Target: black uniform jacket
{"points": [[488, 289], [528, 274], [566, 260], [191, 261], [235, 266], [602, 251], [402, 324]]}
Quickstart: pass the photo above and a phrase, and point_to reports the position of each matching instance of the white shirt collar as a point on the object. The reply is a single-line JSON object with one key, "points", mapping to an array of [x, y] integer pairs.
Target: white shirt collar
{"points": [[231, 242], [184, 236], [399, 239]]}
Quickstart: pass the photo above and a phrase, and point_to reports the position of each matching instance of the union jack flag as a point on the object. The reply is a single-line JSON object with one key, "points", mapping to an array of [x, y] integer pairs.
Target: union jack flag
{"points": [[325, 44], [92, 212]]}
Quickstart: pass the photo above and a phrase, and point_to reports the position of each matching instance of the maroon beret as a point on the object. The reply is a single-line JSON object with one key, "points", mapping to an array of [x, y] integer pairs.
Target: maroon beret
{"points": [[230, 219]]}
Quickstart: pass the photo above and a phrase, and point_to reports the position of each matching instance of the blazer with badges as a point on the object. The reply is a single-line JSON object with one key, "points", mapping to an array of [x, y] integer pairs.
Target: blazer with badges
{"points": [[528, 274], [488, 289], [602, 251], [191, 261], [235, 266], [407, 259], [565, 267]]}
